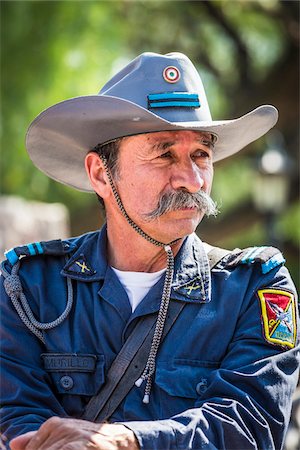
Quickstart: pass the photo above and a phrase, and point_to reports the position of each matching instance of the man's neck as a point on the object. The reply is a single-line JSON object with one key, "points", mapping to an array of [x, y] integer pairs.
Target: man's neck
{"points": [[129, 251]]}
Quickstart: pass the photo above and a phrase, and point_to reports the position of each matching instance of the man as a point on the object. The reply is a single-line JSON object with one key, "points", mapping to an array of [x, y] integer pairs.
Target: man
{"points": [[218, 345]]}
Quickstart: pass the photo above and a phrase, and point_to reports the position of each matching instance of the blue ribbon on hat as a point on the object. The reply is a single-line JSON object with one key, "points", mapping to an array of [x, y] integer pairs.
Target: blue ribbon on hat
{"points": [[173, 99]]}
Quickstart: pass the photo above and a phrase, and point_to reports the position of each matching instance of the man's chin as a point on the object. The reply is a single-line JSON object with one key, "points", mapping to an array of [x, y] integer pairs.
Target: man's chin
{"points": [[179, 229], [184, 214], [187, 220]]}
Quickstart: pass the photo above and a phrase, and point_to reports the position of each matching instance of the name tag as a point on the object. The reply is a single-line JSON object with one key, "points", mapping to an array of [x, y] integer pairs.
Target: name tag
{"points": [[68, 362]]}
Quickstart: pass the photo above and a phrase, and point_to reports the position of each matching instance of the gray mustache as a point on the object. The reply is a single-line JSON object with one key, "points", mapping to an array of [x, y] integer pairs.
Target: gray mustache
{"points": [[175, 200]]}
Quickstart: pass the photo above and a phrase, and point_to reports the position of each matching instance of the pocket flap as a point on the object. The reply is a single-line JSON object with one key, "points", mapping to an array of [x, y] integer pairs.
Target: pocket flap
{"points": [[77, 374], [182, 378]]}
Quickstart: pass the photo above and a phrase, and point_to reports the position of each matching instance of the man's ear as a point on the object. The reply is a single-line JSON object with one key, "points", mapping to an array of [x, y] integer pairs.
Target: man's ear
{"points": [[97, 175]]}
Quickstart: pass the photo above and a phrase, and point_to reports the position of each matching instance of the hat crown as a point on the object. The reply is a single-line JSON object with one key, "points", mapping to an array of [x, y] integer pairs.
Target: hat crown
{"points": [[153, 93], [152, 74]]}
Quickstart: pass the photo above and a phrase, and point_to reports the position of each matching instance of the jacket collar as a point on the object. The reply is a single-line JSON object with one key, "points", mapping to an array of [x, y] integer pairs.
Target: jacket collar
{"points": [[88, 263], [191, 281]]}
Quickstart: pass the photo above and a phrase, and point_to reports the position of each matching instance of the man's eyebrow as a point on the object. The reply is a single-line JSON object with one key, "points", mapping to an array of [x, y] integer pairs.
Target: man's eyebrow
{"points": [[162, 145], [208, 141]]}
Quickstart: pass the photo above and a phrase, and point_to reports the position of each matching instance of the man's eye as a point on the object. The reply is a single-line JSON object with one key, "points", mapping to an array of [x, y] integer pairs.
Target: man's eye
{"points": [[201, 154], [166, 155]]}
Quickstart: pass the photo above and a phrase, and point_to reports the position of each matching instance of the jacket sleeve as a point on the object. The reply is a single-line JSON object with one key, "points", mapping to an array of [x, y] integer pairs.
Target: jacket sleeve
{"points": [[27, 399], [248, 401]]}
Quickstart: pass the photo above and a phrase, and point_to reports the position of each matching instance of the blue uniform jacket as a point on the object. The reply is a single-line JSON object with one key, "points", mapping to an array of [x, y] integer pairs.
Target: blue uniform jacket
{"points": [[225, 372]]}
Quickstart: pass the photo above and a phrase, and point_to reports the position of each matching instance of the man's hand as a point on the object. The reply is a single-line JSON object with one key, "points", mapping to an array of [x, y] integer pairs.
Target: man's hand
{"points": [[74, 434]]}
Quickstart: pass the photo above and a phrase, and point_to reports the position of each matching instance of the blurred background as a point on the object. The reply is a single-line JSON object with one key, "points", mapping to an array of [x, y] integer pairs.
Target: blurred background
{"points": [[247, 53]]}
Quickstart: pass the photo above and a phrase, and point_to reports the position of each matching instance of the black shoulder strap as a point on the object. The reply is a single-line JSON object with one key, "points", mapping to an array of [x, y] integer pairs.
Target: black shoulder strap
{"points": [[128, 366], [130, 362]]}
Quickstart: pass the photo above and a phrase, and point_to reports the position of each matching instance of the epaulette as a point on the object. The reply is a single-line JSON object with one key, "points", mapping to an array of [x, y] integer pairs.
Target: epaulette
{"points": [[13, 286], [55, 247], [267, 257]]}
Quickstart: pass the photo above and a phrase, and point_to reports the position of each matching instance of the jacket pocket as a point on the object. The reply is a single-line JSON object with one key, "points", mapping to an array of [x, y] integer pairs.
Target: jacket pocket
{"points": [[75, 374], [184, 378]]}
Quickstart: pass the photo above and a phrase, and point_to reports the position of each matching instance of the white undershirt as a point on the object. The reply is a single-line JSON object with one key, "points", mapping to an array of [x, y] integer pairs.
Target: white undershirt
{"points": [[137, 284]]}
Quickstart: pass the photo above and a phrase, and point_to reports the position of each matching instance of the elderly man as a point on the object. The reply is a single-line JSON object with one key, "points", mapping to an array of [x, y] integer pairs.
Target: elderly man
{"points": [[140, 335]]}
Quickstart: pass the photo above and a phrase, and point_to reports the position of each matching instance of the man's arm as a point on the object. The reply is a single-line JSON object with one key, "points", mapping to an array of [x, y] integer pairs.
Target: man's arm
{"points": [[248, 400], [30, 410], [27, 399]]}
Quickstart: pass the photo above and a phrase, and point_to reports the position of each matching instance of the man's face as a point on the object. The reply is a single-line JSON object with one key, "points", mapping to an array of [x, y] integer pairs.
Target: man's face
{"points": [[154, 164]]}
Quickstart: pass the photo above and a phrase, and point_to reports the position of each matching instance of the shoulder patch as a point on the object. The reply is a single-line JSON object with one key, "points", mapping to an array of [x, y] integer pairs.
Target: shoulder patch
{"points": [[267, 257], [55, 247], [278, 309]]}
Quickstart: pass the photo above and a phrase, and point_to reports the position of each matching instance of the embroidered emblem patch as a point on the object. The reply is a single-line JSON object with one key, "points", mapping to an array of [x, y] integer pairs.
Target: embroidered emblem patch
{"points": [[171, 74], [278, 316], [81, 266]]}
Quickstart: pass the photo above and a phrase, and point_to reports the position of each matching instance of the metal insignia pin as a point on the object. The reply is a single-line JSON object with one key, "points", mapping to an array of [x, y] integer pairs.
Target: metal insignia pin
{"points": [[171, 74]]}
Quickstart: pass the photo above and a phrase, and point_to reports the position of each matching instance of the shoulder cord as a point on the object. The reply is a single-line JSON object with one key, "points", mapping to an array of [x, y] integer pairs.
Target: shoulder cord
{"points": [[163, 310], [14, 290]]}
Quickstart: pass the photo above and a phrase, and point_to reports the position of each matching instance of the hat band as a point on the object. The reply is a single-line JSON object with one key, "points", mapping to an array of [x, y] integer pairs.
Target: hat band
{"points": [[173, 99]]}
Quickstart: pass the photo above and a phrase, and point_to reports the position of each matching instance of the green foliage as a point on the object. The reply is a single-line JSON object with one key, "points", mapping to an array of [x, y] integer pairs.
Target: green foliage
{"points": [[287, 224], [56, 50], [224, 192]]}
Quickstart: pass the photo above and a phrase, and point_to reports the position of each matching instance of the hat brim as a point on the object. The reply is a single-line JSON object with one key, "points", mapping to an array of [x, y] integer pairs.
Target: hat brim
{"points": [[61, 136]]}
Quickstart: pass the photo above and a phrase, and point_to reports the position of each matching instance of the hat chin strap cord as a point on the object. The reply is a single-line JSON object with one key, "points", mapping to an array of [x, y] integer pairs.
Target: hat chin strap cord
{"points": [[165, 299]]}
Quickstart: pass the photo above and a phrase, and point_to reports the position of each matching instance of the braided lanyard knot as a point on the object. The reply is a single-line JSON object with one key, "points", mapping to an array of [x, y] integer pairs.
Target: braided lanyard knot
{"points": [[13, 287]]}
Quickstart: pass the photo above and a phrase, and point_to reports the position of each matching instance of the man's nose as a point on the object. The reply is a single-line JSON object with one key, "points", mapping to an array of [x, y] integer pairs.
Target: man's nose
{"points": [[187, 176]]}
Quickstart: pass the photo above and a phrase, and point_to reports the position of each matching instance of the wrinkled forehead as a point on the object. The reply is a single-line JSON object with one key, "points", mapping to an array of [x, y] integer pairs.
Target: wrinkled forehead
{"points": [[173, 136]]}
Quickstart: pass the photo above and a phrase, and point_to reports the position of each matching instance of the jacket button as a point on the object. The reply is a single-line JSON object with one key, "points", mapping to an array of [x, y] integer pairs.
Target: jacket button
{"points": [[66, 382], [202, 386]]}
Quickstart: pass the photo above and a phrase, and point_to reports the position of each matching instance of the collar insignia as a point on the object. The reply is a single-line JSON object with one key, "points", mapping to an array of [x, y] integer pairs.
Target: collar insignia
{"points": [[194, 286], [193, 289], [81, 266], [278, 316]]}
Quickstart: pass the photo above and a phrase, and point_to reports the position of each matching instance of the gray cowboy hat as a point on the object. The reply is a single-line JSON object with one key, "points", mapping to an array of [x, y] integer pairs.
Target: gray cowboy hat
{"points": [[152, 93]]}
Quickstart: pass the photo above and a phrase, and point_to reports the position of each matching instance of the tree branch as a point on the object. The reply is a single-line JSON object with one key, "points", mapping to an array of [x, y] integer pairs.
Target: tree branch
{"points": [[243, 58]]}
